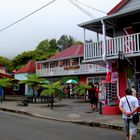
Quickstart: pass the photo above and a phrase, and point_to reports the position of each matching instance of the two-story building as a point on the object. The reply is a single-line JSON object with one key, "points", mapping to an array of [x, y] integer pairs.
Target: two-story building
{"points": [[67, 64], [119, 47]]}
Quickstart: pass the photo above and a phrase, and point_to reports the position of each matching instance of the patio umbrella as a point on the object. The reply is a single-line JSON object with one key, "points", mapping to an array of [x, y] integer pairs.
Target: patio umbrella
{"points": [[72, 81]]}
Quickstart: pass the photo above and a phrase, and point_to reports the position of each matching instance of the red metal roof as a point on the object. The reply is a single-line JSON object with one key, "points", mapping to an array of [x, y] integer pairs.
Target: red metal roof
{"points": [[117, 7], [73, 51], [2, 75], [2, 65], [28, 68]]}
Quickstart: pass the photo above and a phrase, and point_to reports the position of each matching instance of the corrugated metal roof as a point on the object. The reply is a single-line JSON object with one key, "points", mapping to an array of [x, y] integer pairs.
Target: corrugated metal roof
{"points": [[117, 11], [130, 4], [117, 7], [2, 75], [96, 25], [28, 68], [70, 52]]}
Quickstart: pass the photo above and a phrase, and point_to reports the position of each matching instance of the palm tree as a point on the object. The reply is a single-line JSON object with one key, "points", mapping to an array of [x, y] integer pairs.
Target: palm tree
{"points": [[81, 89], [5, 82], [53, 90], [34, 81]]}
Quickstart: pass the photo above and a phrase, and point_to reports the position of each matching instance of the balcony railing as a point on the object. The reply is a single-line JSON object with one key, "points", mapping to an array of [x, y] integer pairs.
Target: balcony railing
{"points": [[71, 70], [129, 44]]}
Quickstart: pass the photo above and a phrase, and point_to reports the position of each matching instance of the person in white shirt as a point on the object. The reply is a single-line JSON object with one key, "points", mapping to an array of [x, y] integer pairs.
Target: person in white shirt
{"points": [[129, 126]]}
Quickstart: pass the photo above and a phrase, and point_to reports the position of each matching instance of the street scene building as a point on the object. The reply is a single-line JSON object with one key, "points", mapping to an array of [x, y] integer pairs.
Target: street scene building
{"points": [[68, 64], [119, 49]]}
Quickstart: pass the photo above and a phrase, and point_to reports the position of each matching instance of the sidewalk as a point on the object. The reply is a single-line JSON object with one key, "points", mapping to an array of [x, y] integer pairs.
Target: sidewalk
{"points": [[67, 110]]}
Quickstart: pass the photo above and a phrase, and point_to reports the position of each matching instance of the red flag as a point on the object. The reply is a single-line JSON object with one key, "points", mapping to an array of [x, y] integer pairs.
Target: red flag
{"points": [[108, 72]]}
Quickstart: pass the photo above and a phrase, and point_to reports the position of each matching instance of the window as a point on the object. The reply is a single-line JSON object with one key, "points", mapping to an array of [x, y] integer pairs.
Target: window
{"points": [[95, 79], [15, 87], [75, 62], [67, 62]]}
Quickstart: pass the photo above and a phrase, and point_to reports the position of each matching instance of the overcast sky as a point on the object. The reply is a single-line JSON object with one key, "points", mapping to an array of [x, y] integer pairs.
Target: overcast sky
{"points": [[59, 18]]}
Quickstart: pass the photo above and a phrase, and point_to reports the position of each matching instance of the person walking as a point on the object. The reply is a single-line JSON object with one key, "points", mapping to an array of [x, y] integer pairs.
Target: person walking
{"points": [[92, 97], [128, 106], [96, 95]]}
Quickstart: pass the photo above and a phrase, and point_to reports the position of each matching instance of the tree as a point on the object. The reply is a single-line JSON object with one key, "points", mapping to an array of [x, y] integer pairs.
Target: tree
{"points": [[45, 49], [79, 42], [53, 44], [43, 45], [5, 82], [65, 41], [7, 63], [53, 90], [81, 89], [34, 81], [22, 59]]}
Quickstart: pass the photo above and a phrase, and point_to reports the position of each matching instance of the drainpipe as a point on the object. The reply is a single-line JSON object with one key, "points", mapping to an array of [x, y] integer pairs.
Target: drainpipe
{"points": [[97, 36], [84, 43], [104, 40]]}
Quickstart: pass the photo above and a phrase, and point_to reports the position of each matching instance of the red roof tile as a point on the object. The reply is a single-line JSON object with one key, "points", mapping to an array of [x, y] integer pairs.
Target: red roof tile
{"points": [[28, 68], [73, 51], [117, 7]]}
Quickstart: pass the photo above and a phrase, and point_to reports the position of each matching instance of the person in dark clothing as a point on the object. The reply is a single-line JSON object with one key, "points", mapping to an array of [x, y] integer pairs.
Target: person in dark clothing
{"points": [[68, 89], [93, 98]]}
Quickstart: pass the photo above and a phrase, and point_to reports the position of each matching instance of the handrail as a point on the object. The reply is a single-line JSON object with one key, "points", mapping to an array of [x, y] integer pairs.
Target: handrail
{"points": [[127, 44]]}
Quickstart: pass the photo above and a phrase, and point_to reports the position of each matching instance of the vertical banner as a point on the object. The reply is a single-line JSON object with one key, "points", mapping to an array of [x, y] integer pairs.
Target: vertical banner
{"points": [[108, 72]]}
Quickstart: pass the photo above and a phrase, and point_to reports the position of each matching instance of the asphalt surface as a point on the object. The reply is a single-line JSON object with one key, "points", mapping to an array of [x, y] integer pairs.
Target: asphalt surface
{"points": [[21, 127], [67, 110]]}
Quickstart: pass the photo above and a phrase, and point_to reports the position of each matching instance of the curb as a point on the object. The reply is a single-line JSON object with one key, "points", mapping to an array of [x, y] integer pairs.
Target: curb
{"points": [[15, 111], [102, 125], [92, 124]]}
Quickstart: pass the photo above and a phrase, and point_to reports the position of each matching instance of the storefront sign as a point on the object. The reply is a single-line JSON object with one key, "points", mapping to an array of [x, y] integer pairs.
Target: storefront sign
{"points": [[114, 76]]}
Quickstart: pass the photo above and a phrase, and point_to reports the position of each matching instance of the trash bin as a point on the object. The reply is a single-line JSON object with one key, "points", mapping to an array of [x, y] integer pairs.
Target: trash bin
{"points": [[1, 94]]}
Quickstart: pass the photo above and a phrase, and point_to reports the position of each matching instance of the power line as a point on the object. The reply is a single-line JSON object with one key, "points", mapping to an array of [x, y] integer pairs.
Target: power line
{"points": [[83, 10], [26, 16], [91, 7]]}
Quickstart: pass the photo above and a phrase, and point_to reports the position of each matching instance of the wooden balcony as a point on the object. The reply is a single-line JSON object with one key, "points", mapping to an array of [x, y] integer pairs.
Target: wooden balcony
{"points": [[71, 70], [128, 45]]}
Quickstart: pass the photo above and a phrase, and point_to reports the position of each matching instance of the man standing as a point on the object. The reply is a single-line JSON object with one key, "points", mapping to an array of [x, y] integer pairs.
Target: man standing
{"points": [[92, 97], [128, 106]]}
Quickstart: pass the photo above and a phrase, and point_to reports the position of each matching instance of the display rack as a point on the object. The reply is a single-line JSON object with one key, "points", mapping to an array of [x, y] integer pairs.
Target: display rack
{"points": [[111, 93], [138, 88]]}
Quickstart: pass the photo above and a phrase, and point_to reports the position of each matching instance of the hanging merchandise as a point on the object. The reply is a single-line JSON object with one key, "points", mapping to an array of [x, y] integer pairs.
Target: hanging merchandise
{"points": [[108, 72], [108, 92]]}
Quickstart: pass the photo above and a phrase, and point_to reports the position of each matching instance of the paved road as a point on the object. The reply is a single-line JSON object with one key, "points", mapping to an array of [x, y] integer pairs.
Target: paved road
{"points": [[18, 127]]}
